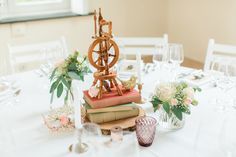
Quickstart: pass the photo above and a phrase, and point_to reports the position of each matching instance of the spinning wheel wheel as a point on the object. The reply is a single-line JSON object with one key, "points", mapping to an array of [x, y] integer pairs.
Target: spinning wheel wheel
{"points": [[103, 53]]}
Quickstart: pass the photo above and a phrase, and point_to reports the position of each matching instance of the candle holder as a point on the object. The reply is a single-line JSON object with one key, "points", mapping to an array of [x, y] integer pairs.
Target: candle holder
{"points": [[140, 87], [79, 147]]}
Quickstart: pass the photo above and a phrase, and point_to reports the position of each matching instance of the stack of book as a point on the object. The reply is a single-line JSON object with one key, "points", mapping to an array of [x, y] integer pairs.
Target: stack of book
{"points": [[111, 106]]}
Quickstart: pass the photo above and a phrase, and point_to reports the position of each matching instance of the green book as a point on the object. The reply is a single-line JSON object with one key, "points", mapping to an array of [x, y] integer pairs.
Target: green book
{"points": [[108, 114]]}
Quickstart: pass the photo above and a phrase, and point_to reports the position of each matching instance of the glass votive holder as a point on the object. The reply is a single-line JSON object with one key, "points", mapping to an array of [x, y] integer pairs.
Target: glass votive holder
{"points": [[145, 130], [116, 134]]}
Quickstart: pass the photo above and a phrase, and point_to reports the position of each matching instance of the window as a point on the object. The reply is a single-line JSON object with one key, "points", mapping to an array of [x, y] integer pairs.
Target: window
{"points": [[15, 8], [26, 7]]}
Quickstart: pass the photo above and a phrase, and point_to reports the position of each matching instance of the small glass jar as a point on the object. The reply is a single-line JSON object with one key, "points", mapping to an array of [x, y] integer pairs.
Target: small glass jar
{"points": [[169, 121]]}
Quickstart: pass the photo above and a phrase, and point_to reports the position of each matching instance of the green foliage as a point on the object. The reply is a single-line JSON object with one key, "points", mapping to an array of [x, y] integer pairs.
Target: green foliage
{"points": [[73, 68]]}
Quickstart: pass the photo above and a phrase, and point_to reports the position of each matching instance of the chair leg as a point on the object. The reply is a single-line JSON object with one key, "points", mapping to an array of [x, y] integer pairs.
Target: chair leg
{"points": [[117, 87]]}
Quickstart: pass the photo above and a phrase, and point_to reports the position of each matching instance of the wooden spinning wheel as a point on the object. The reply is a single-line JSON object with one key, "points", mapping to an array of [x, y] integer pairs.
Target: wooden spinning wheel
{"points": [[97, 58], [103, 55]]}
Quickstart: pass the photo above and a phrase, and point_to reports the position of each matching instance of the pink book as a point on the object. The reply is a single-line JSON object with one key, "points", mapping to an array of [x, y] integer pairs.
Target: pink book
{"points": [[112, 99]]}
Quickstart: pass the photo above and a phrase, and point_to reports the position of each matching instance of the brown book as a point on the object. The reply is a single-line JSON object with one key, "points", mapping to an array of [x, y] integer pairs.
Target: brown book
{"points": [[112, 99]]}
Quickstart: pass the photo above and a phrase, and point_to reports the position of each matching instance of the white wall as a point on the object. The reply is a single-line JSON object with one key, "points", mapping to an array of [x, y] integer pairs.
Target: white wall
{"points": [[193, 22], [129, 17]]}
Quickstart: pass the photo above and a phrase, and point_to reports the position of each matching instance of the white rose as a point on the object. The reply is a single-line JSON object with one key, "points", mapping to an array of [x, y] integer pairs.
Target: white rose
{"points": [[165, 91], [189, 92]]}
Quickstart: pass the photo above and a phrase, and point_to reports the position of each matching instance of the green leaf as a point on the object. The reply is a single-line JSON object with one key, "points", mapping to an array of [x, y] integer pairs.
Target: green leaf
{"points": [[72, 67], [155, 103], [53, 74], [73, 75], [166, 107], [177, 112], [185, 109], [81, 77], [65, 83], [55, 84], [59, 90], [52, 95]]}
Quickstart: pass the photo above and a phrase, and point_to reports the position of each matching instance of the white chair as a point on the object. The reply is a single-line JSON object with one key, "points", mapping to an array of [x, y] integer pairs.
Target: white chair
{"points": [[219, 52], [143, 45], [31, 56], [135, 46]]}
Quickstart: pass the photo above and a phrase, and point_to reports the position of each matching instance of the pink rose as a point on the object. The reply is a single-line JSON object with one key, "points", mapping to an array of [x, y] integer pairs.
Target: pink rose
{"points": [[173, 102], [59, 63], [187, 101], [64, 120], [93, 91]]}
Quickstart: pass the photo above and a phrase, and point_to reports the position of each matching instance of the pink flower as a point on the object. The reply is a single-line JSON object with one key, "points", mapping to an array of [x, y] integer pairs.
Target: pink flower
{"points": [[187, 101], [64, 120], [173, 101], [93, 91], [59, 63]]}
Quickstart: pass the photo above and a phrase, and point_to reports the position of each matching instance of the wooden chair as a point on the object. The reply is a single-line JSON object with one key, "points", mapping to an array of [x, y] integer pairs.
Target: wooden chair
{"points": [[31, 56], [143, 45], [219, 52]]}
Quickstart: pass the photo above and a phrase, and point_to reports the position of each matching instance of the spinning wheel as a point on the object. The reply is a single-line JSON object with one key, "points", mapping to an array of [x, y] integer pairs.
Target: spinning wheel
{"points": [[109, 51], [103, 54]]}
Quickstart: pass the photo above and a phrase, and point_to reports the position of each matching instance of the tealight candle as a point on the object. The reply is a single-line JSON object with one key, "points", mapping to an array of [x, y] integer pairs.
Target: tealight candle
{"points": [[116, 134]]}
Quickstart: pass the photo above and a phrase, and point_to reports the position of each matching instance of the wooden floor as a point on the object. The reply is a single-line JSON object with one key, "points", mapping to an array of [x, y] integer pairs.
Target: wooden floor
{"points": [[192, 63]]}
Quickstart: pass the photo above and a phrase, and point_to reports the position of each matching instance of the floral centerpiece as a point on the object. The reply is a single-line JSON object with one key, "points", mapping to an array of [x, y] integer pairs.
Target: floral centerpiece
{"points": [[74, 67], [172, 101]]}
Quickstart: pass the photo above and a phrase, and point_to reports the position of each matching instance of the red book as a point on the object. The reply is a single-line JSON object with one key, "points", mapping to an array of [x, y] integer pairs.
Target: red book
{"points": [[112, 99]]}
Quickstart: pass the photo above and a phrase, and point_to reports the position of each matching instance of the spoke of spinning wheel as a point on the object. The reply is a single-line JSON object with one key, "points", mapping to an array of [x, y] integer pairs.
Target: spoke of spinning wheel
{"points": [[110, 47], [96, 51], [97, 60], [112, 55]]}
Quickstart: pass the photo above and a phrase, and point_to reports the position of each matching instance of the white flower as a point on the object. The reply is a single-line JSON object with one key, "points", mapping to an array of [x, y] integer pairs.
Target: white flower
{"points": [[189, 92], [80, 59], [165, 91]]}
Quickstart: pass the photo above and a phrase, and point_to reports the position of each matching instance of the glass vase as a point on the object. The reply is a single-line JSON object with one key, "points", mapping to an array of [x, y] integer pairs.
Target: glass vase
{"points": [[169, 121]]}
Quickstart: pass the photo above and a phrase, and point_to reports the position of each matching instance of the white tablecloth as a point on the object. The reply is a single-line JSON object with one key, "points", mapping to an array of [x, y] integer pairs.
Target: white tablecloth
{"points": [[23, 133]]}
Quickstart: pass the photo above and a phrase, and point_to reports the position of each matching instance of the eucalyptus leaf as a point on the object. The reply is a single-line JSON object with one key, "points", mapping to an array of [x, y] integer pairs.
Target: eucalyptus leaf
{"points": [[52, 95], [65, 83], [53, 74], [73, 75], [55, 84], [166, 107], [59, 90], [177, 112]]}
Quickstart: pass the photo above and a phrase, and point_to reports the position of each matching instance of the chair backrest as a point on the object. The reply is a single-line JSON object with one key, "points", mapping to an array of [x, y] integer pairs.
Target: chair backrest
{"points": [[223, 52], [31, 56], [143, 45]]}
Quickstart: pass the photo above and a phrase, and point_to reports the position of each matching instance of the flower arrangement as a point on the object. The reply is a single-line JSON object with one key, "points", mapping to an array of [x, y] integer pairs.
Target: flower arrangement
{"points": [[174, 98], [74, 67]]}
